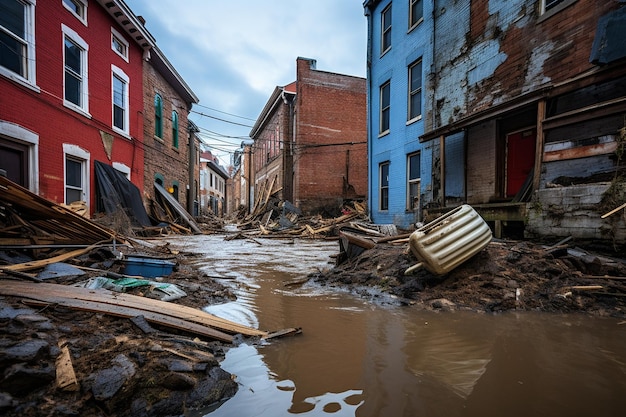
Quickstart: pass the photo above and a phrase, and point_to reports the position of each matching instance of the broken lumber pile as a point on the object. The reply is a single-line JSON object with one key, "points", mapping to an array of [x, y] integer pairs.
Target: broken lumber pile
{"points": [[32, 222], [163, 313]]}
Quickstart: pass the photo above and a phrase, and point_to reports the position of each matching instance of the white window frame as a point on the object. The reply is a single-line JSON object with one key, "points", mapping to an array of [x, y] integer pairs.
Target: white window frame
{"points": [[79, 154], [556, 8], [410, 205], [15, 132], [29, 79], [383, 30], [411, 93], [81, 5], [84, 68], [382, 131], [382, 187], [412, 23], [116, 36], [117, 72], [123, 168]]}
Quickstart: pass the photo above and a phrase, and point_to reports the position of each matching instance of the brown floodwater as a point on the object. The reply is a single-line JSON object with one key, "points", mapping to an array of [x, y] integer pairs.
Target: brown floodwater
{"points": [[364, 355]]}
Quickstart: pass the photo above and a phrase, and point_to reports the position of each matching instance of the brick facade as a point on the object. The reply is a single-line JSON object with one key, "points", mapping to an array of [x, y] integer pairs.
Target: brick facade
{"points": [[311, 139], [164, 161], [38, 132]]}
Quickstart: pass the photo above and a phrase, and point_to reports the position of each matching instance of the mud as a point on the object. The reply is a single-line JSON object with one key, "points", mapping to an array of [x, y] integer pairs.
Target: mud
{"points": [[123, 367], [506, 275], [129, 368]]}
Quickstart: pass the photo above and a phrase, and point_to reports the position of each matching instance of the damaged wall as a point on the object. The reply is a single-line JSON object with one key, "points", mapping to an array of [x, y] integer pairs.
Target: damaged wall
{"points": [[489, 52], [577, 211]]}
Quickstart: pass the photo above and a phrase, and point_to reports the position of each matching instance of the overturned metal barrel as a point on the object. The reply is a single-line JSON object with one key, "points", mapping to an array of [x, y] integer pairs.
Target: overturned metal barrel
{"points": [[448, 241]]}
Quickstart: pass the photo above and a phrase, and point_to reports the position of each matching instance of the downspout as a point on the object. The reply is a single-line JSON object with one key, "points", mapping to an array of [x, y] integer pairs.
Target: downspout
{"points": [[368, 107]]}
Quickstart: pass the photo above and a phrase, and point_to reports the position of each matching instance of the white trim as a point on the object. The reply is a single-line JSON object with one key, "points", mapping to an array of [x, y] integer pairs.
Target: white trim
{"points": [[123, 168], [119, 73], [84, 91], [30, 80], [82, 18], [122, 40], [30, 138], [84, 156]]}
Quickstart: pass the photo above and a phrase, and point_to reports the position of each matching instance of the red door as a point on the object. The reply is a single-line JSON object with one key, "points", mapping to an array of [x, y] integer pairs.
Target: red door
{"points": [[520, 159]]}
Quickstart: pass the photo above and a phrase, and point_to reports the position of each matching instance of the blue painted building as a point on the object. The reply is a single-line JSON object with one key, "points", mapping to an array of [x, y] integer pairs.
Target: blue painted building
{"points": [[399, 57], [515, 107]]}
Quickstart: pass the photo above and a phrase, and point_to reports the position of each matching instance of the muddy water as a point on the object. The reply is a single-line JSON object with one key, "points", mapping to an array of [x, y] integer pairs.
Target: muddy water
{"points": [[368, 357]]}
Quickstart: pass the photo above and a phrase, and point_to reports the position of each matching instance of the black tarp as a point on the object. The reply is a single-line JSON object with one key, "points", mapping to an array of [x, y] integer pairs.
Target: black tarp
{"points": [[115, 192], [609, 44]]}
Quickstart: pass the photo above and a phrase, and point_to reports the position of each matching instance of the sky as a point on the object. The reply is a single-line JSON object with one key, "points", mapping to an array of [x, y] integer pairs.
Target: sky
{"points": [[233, 53]]}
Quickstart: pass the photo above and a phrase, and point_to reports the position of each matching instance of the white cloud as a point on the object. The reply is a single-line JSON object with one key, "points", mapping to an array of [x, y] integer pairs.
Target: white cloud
{"points": [[233, 53]]}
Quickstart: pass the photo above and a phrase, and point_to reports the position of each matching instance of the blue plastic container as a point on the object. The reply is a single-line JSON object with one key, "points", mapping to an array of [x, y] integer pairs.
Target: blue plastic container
{"points": [[147, 267]]}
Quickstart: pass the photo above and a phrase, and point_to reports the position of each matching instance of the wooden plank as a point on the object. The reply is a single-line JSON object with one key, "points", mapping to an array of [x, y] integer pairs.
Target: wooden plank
{"points": [[143, 305], [615, 210], [27, 266], [127, 312], [66, 377]]}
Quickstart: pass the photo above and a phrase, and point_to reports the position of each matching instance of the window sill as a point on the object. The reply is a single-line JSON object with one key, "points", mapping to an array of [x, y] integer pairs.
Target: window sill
{"points": [[413, 120], [122, 133], [158, 139], [381, 134], [419, 22], [19, 80], [77, 109], [555, 10]]}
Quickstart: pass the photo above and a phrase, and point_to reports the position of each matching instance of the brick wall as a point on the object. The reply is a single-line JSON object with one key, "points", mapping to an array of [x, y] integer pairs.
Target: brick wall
{"points": [[161, 157], [41, 110], [330, 154], [490, 52]]}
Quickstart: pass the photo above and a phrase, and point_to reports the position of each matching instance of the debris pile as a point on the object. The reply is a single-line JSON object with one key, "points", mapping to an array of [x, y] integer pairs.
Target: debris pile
{"points": [[89, 322], [505, 275]]}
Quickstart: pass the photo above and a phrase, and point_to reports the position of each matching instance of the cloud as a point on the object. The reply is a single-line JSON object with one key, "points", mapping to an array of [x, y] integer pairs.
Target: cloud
{"points": [[234, 53]]}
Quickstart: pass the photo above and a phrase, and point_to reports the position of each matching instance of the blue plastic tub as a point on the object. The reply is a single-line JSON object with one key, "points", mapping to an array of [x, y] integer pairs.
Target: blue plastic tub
{"points": [[147, 267]]}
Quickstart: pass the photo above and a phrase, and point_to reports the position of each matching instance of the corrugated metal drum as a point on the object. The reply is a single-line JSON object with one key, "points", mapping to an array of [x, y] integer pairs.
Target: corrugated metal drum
{"points": [[449, 240]]}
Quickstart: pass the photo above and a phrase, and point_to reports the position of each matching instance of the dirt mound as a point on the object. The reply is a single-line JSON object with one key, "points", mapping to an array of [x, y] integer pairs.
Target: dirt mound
{"points": [[506, 275]]}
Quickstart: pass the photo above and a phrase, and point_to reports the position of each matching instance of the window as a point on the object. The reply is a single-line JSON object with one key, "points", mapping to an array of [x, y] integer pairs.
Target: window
{"points": [[413, 186], [385, 42], [17, 40], [546, 5], [76, 173], [175, 129], [75, 64], [416, 12], [119, 44], [120, 100], [78, 8], [385, 105], [158, 116], [415, 90], [384, 185]]}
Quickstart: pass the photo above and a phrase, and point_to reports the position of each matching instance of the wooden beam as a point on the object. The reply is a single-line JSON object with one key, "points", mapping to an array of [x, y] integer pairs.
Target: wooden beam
{"points": [[107, 301], [539, 143]]}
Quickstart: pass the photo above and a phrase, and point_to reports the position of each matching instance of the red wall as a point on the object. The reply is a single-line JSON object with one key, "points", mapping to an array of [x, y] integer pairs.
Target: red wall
{"points": [[43, 112]]}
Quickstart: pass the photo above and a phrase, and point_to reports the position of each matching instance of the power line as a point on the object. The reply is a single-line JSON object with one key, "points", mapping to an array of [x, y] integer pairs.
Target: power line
{"points": [[220, 119], [223, 112]]}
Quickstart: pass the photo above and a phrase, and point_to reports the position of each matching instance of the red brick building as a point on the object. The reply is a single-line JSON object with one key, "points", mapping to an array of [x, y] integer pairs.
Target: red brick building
{"points": [[171, 157], [71, 93], [310, 140]]}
